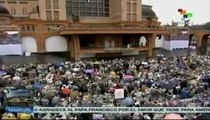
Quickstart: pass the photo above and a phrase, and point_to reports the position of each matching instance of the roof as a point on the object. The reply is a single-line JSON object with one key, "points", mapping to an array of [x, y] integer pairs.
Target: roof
{"points": [[148, 12], [3, 10]]}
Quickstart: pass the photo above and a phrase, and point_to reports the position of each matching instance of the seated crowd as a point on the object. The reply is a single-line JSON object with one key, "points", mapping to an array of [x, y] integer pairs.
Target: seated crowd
{"points": [[155, 82]]}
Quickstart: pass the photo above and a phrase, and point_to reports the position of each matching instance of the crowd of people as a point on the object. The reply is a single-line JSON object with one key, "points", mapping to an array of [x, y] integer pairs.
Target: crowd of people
{"points": [[182, 81], [10, 39]]}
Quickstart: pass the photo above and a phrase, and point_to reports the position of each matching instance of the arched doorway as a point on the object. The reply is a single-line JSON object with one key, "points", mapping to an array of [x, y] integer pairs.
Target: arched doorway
{"points": [[142, 41], [56, 44], [109, 42], [159, 41], [193, 41], [205, 43], [29, 44]]}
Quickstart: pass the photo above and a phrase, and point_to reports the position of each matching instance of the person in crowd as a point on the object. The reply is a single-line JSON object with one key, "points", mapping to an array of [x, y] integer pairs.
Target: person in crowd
{"points": [[154, 82]]}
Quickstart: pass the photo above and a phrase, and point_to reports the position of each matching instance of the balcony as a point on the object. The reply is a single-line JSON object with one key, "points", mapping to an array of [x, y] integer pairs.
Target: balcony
{"points": [[85, 29]]}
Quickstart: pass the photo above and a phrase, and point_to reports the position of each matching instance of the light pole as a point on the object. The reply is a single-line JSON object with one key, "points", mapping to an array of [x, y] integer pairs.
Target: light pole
{"points": [[186, 19]]}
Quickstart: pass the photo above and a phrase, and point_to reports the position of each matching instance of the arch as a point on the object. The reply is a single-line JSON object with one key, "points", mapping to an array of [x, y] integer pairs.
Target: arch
{"points": [[142, 41], [109, 42], [29, 44], [159, 41], [56, 44], [205, 43], [193, 40]]}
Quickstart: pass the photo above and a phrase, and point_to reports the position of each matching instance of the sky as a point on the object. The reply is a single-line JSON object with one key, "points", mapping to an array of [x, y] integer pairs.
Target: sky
{"points": [[167, 10]]}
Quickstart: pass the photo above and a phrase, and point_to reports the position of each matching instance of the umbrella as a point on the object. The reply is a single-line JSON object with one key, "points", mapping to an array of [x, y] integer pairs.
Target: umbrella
{"points": [[89, 70], [128, 76], [24, 116], [172, 103], [38, 86], [3, 73], [144, 63], [76, 69], [75, 88], [16, 78], [173, 117], [96, 73], [127, 101], [96, 63], [50, 94], [74, 95], [7, 76], [8, 116], [159, 55]]}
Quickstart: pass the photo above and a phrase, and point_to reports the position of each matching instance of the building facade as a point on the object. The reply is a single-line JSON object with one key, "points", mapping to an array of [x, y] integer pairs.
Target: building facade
{"points": [[85, 27]]}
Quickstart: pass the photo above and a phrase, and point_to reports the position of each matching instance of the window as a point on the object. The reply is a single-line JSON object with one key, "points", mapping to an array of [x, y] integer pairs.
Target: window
{"points": [[48, 4], [134, 7], [32, 28], [128, 17], [13, 11], [128, 7], [55, 4], [28, 27], [12, 2], [134, 17], [85, 8], [49, 15], [24, 11], [23, 2], [23, 28], [131, 10], [56, 15]]}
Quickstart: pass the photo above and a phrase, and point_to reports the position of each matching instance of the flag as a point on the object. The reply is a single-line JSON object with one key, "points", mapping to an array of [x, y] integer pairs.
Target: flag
{"points": [[189, 15], [180, 10], [185, 16], [183, 12]]}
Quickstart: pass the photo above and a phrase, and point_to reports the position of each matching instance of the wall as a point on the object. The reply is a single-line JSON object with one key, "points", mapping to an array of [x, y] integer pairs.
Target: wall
{"points": [[62, 9], [124, 10], [115, 10], [18, 7], [95, 20], [42, 9], [29, 44], [33, 16], [56, 44], [4, 20]]}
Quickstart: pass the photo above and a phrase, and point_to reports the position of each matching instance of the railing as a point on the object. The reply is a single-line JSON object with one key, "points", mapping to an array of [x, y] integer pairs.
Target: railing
{"points": [[8, 28], [93, 28], [108, 27], [118, 49], [112, 50]]}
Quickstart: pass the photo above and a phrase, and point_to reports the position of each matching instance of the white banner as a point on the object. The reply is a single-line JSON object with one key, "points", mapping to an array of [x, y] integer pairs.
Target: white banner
{"points": [[119, 93]]}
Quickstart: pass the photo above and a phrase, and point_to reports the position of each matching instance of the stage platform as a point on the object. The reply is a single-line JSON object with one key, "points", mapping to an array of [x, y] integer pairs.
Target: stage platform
{"points": [[175, 44]]}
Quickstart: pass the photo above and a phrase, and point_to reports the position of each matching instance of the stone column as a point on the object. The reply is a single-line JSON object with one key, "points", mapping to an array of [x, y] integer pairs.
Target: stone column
{"points": [[198, 46], [41, 43], [75, 47], [150, 44]]}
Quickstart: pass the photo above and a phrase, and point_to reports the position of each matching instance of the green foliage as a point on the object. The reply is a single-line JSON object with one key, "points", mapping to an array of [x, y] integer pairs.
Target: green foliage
{"points": [[205, 26]]}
